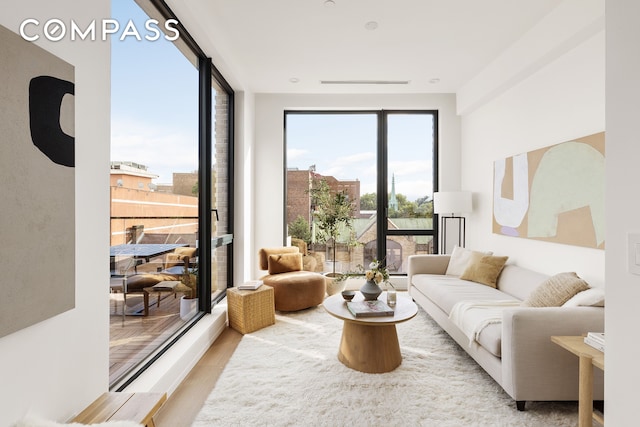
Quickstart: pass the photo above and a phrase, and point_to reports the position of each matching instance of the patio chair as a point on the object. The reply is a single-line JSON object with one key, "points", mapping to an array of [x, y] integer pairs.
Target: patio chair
{"points": [[172, 271], [309, 263], [174, 261]]}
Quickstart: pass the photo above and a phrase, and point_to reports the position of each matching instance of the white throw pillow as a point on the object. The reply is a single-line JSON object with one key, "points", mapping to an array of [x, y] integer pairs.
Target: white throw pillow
{"points": [[459, 260], [593, 297]]}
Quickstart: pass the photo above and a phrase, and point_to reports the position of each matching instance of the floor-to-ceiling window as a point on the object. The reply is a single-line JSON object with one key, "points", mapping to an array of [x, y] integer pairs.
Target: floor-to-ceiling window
{"points": [[170, 167], [409, 174], [385, 165], [221, 210]]}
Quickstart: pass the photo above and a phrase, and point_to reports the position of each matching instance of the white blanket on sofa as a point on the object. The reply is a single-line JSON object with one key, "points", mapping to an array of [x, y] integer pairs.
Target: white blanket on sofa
{"points": [[465, 316]]}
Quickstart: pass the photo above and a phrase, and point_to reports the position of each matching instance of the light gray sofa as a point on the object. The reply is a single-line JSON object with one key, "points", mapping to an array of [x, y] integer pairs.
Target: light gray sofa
{"points": [[517, 352]]}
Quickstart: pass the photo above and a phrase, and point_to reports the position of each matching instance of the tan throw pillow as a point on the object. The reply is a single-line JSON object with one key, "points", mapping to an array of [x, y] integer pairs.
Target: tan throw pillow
{"points": [[484, 269], [264, 253], [556, 290], [284, 263], [459, 260]]}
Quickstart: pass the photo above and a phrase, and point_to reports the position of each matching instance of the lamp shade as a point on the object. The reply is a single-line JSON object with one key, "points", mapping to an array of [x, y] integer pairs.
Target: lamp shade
{"points": [[450, 202]]}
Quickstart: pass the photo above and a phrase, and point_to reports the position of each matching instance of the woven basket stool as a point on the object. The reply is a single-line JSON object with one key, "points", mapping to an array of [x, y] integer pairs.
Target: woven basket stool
{"points": [[250, 310]]}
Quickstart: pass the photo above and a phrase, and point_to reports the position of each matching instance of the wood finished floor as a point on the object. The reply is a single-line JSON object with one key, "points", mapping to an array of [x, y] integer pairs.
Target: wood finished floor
{"points": [[184, 404]]}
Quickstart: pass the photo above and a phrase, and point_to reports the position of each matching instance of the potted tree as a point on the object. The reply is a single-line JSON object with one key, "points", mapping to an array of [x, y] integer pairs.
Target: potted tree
{"points": [[333, 217]]}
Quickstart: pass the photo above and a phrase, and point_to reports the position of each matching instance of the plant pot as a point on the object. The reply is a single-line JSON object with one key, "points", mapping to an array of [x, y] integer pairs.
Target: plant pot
{"points": [[188, 307], [333, 284]]}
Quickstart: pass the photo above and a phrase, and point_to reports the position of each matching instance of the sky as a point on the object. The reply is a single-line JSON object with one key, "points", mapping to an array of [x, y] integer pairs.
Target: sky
{"points": [[154, 111], [154, 103], [344, 146]]}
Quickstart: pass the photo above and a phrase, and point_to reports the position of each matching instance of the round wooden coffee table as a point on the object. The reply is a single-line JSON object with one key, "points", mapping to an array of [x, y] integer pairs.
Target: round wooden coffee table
{"points": [[370, 344]]}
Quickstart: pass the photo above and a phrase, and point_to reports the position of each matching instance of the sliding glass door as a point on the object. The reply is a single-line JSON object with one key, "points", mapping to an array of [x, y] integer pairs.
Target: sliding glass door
{"points": [[382, 163]]}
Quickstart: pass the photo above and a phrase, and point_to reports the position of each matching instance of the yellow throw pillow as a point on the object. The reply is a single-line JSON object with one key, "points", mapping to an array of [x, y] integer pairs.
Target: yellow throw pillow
{"points": [[460, 258], [556, 290], [284, 263], [484, 269]]}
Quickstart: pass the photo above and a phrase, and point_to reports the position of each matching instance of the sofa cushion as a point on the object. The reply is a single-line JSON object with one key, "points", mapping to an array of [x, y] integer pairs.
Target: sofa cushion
{"points": [[459, 260], [185, 250], [479, 324], [592, 297], [556, 290], [446, 291], [141, 281], [491, 339], [518, 281], [484, 269]]}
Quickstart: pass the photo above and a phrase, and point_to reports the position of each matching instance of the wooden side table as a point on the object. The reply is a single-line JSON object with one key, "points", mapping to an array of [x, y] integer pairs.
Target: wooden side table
{"points": [[251, 310], [589, 357]]}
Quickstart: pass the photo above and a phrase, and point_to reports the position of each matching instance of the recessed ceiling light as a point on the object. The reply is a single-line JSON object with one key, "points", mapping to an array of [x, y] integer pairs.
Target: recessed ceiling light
{"points": [[329, 3], [434, 81], [294, 80], [371, 25]]}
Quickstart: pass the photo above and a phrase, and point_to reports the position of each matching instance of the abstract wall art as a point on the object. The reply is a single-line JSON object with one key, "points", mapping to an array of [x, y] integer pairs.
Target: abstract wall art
{"points": [[37, 172], [554, 194]]}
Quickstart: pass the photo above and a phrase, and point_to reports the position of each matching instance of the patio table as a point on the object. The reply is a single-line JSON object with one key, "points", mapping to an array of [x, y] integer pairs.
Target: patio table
{"points": [[144, 251]]}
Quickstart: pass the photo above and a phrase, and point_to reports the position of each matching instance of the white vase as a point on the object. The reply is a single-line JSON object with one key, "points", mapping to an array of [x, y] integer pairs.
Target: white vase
{"points": [[188, 307]]}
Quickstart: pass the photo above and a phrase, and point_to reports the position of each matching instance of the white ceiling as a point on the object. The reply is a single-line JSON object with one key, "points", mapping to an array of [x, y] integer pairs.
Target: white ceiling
{"points": [[267, 43]]}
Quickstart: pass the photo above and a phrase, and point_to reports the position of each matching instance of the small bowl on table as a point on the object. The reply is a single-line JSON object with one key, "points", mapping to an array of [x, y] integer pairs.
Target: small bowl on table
{"points": [[348, 295]]}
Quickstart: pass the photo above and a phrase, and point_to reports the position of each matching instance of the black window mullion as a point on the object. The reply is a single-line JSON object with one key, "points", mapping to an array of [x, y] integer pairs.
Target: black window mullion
{"points": [[382, 202], [436, 162], [204, 185]]}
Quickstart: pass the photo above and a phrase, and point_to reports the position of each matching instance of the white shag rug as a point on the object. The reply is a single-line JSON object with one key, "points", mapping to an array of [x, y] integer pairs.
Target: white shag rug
{"points": [[288, 374]]}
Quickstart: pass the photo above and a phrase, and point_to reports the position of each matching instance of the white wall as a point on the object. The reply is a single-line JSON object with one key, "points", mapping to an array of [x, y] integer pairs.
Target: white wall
{"points": [[562, 99], [269, 154], [244, 181], [623, 211], [56, 367]]}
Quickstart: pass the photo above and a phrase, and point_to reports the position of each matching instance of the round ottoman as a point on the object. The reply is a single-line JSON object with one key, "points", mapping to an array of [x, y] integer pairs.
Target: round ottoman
{"points": [[296, 290]]}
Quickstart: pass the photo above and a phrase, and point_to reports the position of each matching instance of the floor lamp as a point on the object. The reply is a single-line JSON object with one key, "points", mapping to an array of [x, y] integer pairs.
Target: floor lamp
{"points": [[451, 203]]}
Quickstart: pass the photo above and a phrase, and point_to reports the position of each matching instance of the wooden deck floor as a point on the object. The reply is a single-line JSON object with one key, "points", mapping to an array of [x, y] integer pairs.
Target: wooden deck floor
{"points": [[136, 337]]}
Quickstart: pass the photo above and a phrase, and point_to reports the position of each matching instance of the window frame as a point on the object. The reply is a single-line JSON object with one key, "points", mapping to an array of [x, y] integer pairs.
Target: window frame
{"points": [[382, 231], [206, 72]]}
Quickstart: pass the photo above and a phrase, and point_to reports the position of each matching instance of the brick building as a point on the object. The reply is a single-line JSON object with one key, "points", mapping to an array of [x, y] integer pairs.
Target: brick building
{"points": [[141, 214], [299, 183]]}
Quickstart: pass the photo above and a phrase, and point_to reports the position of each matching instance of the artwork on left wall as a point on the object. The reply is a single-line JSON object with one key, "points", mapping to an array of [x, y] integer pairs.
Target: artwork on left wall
{"points": [[555, 193], [37, 178]]}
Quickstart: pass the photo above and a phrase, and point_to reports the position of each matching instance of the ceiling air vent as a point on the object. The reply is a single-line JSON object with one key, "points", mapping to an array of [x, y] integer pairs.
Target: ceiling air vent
{"points": [[364, 82]]}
